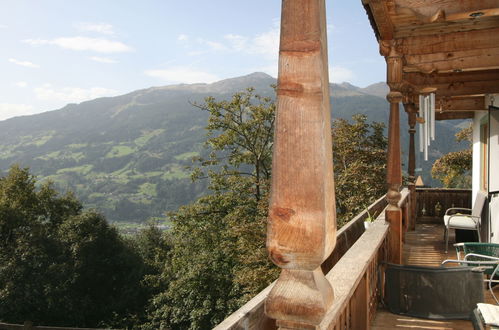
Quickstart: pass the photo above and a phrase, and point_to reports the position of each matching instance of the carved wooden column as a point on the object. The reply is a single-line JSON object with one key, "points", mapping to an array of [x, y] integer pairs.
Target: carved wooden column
{"points": [[302, 222], [393, 213], [411, 168]]}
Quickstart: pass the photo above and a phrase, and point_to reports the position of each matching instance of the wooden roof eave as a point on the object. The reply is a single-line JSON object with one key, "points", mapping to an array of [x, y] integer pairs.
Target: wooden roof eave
{"points": [[451, 47]]}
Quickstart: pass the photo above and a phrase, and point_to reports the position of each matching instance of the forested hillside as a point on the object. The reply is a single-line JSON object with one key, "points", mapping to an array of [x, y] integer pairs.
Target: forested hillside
{"points": [[127, 156]]}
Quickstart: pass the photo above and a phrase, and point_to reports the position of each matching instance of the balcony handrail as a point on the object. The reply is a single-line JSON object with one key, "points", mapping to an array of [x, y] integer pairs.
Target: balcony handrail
{"points": [[351, 277], [251, 315]]}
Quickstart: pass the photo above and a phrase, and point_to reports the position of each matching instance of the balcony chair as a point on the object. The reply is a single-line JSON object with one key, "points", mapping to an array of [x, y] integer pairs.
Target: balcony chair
{"points": [[482, 255], [464, 221]]}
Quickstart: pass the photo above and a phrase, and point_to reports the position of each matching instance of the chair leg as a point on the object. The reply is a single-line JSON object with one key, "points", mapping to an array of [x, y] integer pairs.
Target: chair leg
{"points": [[479, 237], [446, 239]]}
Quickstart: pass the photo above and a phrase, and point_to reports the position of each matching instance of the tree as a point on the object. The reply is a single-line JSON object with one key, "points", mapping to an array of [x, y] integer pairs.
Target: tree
{"points": [[218, 259], [359, 156], [453, 169], [60, 265]]}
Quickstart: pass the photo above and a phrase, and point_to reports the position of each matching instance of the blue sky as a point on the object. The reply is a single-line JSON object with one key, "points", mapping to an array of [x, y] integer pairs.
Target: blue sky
{"points": [[56, 52]]}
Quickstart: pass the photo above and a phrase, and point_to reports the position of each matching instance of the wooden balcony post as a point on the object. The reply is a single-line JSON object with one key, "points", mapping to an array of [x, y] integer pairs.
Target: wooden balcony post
{"points": [[411, 169], [302, 215], [393, 213]]}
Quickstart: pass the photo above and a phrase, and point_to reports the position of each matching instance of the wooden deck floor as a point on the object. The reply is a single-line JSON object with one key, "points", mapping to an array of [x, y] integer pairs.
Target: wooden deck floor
{"points": [[424, 247]]}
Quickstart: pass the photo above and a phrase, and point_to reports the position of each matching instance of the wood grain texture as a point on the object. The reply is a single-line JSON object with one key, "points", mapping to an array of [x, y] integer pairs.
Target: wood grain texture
{"points": [[382, 18], [468, 88], [445, 62], [451, 77], [302, 222], [449, 42]]}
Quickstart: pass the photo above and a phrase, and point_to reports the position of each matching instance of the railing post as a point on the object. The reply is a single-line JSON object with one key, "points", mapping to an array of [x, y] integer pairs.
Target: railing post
{"points": [[393, 213], [411, 170], [302, 222]]}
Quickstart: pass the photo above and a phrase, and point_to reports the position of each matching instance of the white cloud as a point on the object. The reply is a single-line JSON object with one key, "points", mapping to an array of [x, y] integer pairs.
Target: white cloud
{"points": [[238, 42], [103, 28], [102, 59], [23, 63], [183, 37], [266, 44], [196, 52], [3, 26], [83, 43], [21, 84], [212, 45], [47, 92], [182, 75], [338, 74], [8, 110]]}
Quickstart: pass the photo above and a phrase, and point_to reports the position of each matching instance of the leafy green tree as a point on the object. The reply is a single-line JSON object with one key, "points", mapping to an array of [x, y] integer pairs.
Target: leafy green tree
{"points": [[218, 260], [359, 156], [60, 265], [454, 169]]}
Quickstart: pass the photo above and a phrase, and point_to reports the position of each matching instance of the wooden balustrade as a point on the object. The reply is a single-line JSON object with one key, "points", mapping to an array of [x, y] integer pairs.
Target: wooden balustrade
{"points": [[252, 316], [428, 198], [358, 276], [355, 267]]}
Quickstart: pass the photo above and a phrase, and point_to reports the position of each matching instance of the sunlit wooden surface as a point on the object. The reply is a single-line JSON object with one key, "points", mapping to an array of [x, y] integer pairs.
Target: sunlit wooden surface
{"points": [[424, 247]]}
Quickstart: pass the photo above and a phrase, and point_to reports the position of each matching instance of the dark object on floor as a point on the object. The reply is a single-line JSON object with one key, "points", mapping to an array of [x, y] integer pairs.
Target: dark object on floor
{"points": [[437, 293], [466, 236]]}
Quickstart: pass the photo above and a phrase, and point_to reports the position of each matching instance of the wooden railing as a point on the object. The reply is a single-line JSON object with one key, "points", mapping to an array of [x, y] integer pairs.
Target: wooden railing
{"points": [[252, 315], [358, 276], [432, 202]]}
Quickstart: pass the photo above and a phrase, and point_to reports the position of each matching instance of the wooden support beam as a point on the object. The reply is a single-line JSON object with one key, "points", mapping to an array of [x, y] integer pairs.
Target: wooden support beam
{"points": [[428, 8], [416, 78], [464, 88], [411, 166], [449, 42], [302, 215], [442, 62], [454, 115], [466, 104], [381, 12], [411, 30], [410, 108], [393, 213]]}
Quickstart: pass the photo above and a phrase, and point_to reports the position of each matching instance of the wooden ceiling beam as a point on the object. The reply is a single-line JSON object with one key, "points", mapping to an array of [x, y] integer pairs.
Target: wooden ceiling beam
{"points": [[416, 78], [456, 61], [474, 103], [413, 28], [454, 115], [449, 42], [428, 8], [381, 11], [463, 88]]}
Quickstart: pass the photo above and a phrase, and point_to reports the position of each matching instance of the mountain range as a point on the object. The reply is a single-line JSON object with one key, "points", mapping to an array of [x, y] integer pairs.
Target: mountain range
{"points": [[128, 155]]}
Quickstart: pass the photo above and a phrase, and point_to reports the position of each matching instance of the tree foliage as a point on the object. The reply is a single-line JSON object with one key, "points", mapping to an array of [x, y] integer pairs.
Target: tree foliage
{"points": [[60, 265], [219, 260], [359, 156], [453, 169]]}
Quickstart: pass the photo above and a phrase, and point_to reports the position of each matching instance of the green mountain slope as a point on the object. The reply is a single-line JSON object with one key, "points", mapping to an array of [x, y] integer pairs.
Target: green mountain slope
{"points": [[127, 155]]}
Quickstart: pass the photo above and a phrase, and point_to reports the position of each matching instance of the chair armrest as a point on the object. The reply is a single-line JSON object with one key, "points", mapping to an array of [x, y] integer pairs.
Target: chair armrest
{"points": [[457, 208], [495, 259], [474, 262]]}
